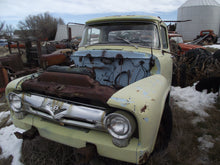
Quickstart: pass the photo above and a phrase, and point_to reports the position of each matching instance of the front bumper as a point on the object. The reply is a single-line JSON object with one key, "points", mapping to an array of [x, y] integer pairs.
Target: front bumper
{"points": [[78, 138]]}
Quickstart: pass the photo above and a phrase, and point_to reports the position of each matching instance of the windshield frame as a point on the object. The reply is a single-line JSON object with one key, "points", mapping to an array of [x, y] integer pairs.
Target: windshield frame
{"points": [[122, 26]]}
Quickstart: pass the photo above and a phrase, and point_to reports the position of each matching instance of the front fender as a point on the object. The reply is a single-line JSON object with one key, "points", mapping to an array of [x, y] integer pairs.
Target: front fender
{"points": [[15, 85], [145, 99]]}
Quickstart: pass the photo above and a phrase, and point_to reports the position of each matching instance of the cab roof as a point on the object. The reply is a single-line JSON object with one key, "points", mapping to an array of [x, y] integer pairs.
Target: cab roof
{"points": [[124, 18]]}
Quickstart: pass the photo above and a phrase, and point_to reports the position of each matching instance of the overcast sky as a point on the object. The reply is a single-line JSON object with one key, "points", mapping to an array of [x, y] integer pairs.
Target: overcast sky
{"points": [[13, 11]]}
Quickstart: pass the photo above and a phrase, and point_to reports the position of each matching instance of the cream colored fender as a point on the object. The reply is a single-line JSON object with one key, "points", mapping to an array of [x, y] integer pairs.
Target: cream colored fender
{"points": [[145, 99]]}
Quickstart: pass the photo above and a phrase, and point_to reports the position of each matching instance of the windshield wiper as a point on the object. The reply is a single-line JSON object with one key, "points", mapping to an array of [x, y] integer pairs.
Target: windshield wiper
{"points": [[127, 41]]}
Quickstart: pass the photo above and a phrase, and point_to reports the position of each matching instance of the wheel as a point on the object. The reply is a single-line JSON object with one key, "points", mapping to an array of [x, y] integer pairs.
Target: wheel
{"points": [[165, 129]]}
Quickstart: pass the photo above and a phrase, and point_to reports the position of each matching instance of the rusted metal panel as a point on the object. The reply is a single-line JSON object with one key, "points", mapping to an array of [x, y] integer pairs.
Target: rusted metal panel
{"points": [[3, 79], [144, 158], [85, 154], [53, 59], [12, 62], [69, 69], [70, 86]]}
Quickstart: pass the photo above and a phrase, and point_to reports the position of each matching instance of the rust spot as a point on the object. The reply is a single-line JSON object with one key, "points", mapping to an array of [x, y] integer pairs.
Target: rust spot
{"points": [[80, 59], [103, 53], [143, 158], [143, 109], [53, 59], [152, 99], [141, 62], [138, 90], [91, 59], [121, 59], [86, 154]]}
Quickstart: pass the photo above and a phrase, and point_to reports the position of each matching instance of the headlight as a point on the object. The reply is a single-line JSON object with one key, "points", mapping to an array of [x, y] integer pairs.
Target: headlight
{"points": [[121, 126], [15, 102]]}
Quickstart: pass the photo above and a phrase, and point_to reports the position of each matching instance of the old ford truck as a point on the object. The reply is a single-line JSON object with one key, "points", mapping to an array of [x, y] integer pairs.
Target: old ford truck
{"points": [[115, 95]]}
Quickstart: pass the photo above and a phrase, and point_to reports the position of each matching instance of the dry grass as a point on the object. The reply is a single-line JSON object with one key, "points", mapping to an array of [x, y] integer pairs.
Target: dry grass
{"points": [[6, 161], [213, 50], [211, 127], [3, 107], [3, 51], [45, 152], [182, 148]]}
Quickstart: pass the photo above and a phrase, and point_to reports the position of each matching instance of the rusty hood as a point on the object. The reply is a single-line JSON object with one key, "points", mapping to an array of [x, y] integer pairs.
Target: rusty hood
{"points": [[69, 86]]}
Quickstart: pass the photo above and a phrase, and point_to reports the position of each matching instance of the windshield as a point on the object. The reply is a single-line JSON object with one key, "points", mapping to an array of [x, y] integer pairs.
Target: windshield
{"points": [[177, 39], [134, 34]]}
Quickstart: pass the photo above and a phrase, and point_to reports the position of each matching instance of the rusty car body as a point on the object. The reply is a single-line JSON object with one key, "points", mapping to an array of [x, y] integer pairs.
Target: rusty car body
{"points": [[115, 95], [176, 42], [29, 56], [206, 37]]}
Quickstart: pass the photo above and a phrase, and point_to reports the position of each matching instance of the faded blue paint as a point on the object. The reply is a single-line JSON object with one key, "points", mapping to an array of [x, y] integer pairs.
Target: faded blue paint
{"points": [[145, 93], [116, 67], [139, 89], [146, 119], [123, 102]]}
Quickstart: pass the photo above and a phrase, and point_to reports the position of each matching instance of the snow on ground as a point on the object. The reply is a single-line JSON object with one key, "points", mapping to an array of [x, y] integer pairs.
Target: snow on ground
{"points": [[191, 100], [217, 46], [206, 142], [10, 144], [187, 98], [4, 114]]}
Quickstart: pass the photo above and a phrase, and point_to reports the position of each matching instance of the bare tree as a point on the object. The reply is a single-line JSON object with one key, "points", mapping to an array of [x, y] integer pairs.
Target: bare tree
{"points": [[2, 24], [41, 26], [9, 31]]}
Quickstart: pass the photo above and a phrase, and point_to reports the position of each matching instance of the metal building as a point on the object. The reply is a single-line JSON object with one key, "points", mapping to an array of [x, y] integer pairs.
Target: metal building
{"points": [[205, 14], [62, 31]]}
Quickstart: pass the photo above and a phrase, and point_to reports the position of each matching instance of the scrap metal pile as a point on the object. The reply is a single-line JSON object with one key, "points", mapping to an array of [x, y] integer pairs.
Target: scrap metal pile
{"points": [[206, 37], [195, 65]]}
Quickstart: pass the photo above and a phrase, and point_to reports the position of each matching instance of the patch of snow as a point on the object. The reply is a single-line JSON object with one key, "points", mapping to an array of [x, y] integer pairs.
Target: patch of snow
{"points": [[9, 122], [4, 114], [10, 144], [217, 46], [2, 104], [191, 100], [197, 120], [218, 41], [206, 142]]}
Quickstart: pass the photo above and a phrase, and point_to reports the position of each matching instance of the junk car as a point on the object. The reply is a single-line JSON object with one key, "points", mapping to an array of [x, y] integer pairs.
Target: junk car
{"points": [[113, 97]]}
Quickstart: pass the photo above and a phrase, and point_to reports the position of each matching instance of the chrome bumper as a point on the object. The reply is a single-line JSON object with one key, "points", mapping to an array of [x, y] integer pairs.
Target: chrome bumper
{"points": [[63, 112]]}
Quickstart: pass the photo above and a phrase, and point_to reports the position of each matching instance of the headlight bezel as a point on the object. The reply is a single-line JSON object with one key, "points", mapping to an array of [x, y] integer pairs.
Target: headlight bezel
{"points": [[129, 122], [15, 102]]}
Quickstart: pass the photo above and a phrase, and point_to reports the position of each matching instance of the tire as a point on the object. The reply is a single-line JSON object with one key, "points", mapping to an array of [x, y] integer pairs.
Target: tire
{"points": [[165, 129], [216, 55], [196, 62]]}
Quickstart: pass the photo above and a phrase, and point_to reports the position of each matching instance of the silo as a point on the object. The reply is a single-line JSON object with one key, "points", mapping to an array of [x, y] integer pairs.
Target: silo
{"points": [[205, 14]]}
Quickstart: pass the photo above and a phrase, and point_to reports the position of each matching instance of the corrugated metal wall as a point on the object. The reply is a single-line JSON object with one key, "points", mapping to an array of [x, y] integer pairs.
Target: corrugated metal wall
{"points": [[204, 16]]}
